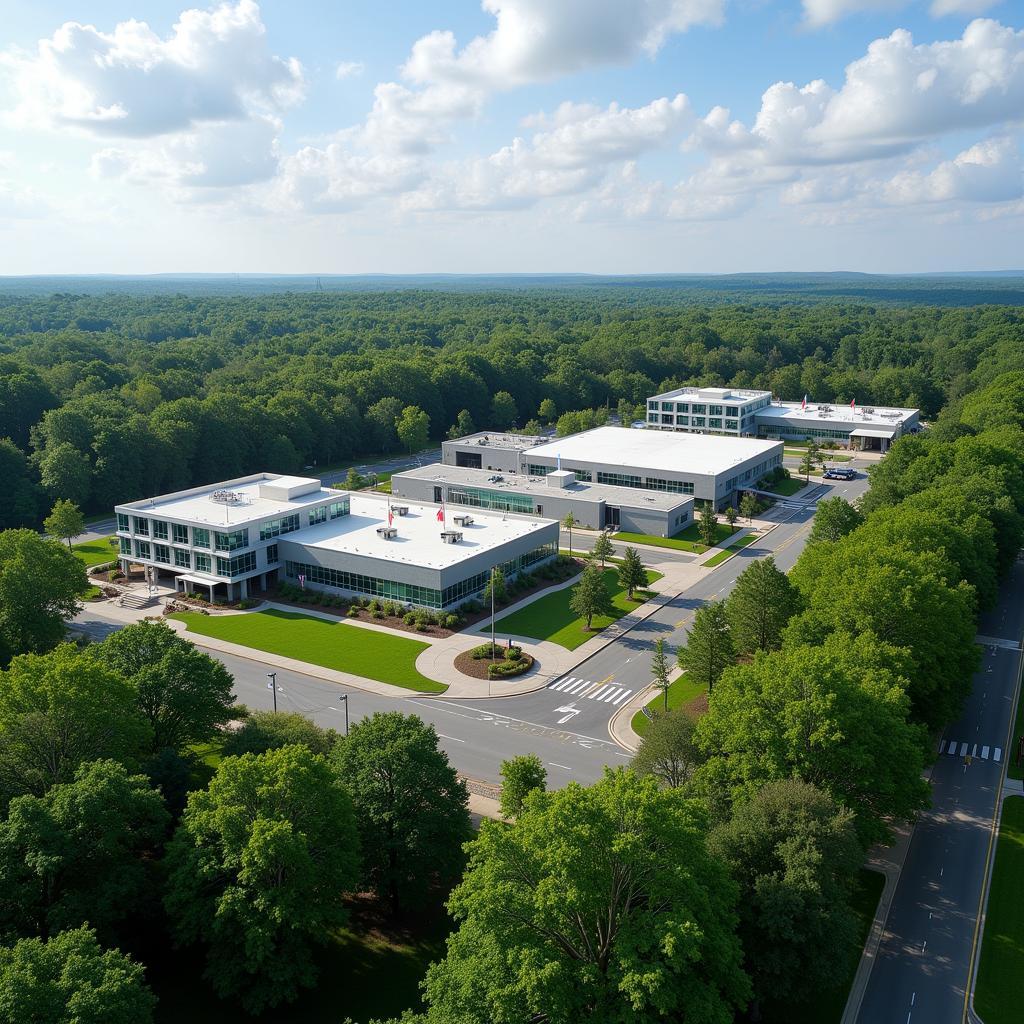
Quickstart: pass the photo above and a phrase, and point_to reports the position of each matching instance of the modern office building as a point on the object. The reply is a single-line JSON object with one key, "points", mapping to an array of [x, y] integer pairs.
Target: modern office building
{"points": [[553, 495], [240, 534], [740, 413], [700, 466]]}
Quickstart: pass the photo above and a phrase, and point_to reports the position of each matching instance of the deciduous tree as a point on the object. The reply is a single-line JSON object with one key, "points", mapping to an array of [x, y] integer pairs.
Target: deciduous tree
{"points": [[794, 851], [503, 410], [760, 605], [590, 596], [659, 669], [267, 730], [70, 979], [603, 548], [413, 428], [707, 524], [667, 750], [65, 521], [258, 869], [597, 904], [709, 648], [410, 807], [40, 584], [631, 572], [834, 518], [66, 473], [520, 776]]}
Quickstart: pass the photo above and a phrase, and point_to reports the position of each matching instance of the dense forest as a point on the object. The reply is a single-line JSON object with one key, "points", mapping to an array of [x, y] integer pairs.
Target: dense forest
{"points": [[108, 397]]}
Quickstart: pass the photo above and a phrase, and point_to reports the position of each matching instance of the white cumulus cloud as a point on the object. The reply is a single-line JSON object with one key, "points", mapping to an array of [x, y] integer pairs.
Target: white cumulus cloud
{"points": [[989, 172]]}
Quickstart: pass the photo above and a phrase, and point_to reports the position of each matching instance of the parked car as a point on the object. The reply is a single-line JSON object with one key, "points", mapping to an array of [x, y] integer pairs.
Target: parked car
{"points": [[838, 473]]}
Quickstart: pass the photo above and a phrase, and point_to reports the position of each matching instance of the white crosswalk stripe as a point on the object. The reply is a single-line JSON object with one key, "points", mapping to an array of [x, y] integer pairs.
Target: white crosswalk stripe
{"points": [[942, 747], [996, 754], [597, 691], [951, 749], [956, 748], [984, 753]]}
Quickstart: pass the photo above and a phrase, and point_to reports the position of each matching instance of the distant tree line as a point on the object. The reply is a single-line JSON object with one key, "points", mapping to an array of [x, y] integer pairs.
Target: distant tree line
{"points": [[106, 398]]}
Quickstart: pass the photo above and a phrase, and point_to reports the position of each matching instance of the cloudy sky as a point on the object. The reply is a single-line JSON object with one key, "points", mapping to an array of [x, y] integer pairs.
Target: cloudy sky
{"points": [[608, 136]]}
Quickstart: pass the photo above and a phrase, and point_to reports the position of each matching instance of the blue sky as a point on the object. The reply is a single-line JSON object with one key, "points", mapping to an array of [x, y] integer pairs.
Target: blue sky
{"points": [[610, 136]]}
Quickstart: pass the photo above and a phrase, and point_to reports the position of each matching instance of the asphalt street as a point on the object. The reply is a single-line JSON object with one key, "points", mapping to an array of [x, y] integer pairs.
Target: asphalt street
{"points": [[569, 732], [921, 970]]}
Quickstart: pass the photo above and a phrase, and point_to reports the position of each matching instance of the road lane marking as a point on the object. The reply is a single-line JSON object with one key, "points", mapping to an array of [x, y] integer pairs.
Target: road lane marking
{"points": [[963, 749], [576, 687], [596, 695], [625, 696], [562, 683], [974, 750], [984, 753], [555, 764], [997, 754], [456, 739]]}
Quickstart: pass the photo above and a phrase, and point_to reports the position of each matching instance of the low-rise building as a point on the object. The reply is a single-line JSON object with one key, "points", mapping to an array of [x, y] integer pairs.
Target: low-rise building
{"points": [[553, 495], [251, 532], [745, 413], [489, 449]]}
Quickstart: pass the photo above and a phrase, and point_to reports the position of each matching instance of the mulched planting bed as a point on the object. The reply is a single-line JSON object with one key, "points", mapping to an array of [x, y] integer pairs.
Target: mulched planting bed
{"points": [[476, 668]]}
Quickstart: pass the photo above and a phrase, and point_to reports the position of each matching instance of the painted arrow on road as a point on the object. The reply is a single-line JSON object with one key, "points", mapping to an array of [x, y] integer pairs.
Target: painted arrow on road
{"points": [[571, 709]]}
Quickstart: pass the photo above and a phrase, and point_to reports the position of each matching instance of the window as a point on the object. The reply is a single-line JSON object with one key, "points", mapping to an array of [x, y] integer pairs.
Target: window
{"points": [[697, 421], [142, 549], [667, 406], [731, 425], [730, 410], [141, 525], [274, 528], [619, 479], [159, 530], [202, 562], [234, 540], [652, 417], [683, 421], [699, 408], [316, 515], [666, 419], [162, 553], [126, 546], [179, 534], [714, 410], [584, 474], [236, 566], [540, 510], [715, 423], [182, 559], [535, 470], [409, 592], [480, 497], [438, 497], [122, 522], [682, 407], [655, 483], [337, 509], [271, 554]]}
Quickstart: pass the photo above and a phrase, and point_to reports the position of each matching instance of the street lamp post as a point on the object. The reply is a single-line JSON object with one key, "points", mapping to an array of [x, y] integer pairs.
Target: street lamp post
{"points": [[344, 697], [272, 676]]}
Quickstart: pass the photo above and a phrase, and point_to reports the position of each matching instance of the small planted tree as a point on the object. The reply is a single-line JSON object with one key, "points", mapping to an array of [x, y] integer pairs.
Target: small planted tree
{"points": [[590, 596], [569, 522], [659, 669], [65, 521], [353, 481], [731, 516], [668, 750], [807, 463], [709, 649], [748, 506], [707, 524], [496, 587], [520, 776], [632, 574], [602, 549]]}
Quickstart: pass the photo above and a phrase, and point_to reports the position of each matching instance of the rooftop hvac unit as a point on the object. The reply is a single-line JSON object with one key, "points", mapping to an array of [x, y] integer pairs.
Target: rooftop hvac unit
{"points": [[227, 497]]}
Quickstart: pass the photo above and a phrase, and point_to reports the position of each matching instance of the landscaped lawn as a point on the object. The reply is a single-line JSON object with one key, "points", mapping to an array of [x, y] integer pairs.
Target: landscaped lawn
{"points": [[827, 1007], [680, 691], [685, 540], [998, 993], [551, 618], [336, 645], [731, 550], [787, 487], [94, 552]]}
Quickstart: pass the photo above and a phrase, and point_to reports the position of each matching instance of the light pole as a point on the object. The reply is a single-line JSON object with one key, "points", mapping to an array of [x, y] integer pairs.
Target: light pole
{"points": [[344, 697], [492, 613], [272, 685]]}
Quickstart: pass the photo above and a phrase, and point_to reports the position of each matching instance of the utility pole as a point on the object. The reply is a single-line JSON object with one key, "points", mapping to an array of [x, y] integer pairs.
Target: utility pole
{"points": [[344, 697], [272, 685], [492, 614]]}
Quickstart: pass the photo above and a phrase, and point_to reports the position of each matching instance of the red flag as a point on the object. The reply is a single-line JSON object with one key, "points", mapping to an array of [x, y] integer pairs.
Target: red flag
{"points": [[391, 518], [440, 514], [853, 403]]}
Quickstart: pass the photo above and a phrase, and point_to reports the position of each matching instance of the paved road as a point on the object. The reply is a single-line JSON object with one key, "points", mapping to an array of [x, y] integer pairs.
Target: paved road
{"points": [[920, 973], [568, 731]]}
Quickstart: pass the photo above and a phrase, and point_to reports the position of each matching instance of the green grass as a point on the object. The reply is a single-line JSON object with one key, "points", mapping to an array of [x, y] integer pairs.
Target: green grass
{"points": [[94, 552], [1014, 770], [551, 618], [731, 550], [335, 645], [827, 1006], [786, 487], [997, 996], [826, 455], [680, 691], [686, 540]]}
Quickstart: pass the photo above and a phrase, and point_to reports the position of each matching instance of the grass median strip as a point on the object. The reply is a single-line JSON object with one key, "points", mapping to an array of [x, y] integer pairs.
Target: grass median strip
{"points": [[680, 691], [335, 645], [731, 550], [685, 540], [997, 996], [551, 618]]}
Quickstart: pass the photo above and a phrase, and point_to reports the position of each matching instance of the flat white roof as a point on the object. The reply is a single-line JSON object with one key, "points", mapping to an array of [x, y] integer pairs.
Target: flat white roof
{"points": [[867, 415], [689, 393], [665, 450], [419, 532], [498, 439], [199, 506]]}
